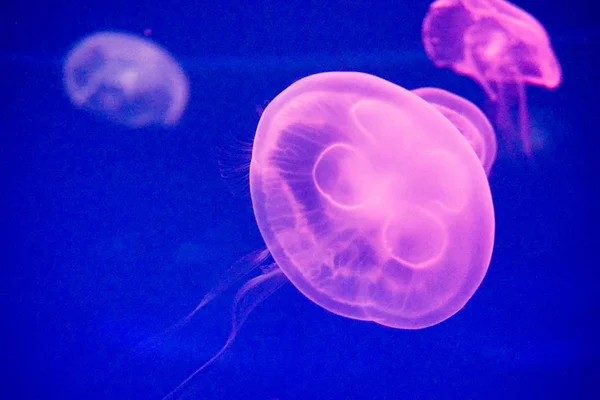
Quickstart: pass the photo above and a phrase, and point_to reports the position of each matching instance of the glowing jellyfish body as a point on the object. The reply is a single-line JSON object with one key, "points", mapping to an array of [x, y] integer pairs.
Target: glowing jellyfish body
{"points": [[370, 201], [468, 119], [126, 79], [497, 44]]}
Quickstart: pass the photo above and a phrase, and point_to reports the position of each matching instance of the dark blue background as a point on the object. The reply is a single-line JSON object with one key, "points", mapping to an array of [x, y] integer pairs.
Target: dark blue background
{"points": [[111, 235]]}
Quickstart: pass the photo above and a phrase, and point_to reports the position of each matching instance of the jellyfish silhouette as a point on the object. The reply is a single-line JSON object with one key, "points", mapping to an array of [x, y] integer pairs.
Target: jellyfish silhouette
{"points": [[370, 202], [126, 79], [500, 46], [468, 119]]}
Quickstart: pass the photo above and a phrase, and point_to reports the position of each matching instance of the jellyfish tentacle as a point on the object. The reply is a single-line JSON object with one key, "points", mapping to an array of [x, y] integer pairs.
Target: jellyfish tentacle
{"points": [[524, 125], [247, 298], [237, 271], [233, 158], [504, 116], [233, 274]]}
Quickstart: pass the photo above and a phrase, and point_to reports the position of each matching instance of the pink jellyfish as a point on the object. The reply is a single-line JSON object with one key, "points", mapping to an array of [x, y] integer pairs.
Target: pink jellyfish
{"points": [[370, 202], [468, 119], [126, 79], [497, 44]]}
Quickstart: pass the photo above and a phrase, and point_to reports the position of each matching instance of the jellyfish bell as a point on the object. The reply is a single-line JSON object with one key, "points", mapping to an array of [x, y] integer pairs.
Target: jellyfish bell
{"points": [[370, 202], [500, 46], [386, 241], [126, 79], [468, 119]]}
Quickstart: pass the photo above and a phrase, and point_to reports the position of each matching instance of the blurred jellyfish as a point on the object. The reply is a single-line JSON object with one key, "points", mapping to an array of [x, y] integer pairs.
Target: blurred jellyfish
{"points": [[126, 79], [369, 201], [468, 119], [497, 44]]}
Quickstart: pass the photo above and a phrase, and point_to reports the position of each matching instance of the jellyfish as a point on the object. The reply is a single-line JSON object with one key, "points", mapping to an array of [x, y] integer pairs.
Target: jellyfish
{"points": [[501, 47], [126, 79], [370, 202], [468, 119]]}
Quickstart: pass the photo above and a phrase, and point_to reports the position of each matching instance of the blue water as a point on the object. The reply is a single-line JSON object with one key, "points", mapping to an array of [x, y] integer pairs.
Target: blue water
{"points": [[111, 235]]}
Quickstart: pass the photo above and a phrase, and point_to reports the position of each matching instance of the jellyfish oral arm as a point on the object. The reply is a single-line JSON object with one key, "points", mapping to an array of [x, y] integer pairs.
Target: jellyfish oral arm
{"points": [[233, 274], [247, 298], [524, 126]]}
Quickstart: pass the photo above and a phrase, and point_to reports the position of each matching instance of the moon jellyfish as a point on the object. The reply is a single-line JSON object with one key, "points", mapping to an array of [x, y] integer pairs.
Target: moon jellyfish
{"points": [[468, 119], [370, 202], [126, 79], [500, 46]]}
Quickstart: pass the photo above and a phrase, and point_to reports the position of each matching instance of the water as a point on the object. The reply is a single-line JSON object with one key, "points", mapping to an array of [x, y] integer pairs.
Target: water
{"points": [[111, 235]]}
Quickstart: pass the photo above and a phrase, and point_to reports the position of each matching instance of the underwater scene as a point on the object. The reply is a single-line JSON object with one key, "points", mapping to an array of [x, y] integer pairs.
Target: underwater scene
{"points": [[273, 200]]}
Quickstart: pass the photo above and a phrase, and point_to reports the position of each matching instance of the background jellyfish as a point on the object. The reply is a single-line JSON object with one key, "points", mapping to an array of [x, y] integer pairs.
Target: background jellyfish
{"points": [[468, 119], [498, 45], [126, 79], [369, 201]]}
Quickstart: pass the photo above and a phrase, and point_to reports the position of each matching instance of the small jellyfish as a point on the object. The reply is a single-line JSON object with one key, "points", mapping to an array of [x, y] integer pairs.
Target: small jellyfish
{"points": [[370, 202], [500, 46], [126, 79], [468, 119]]}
